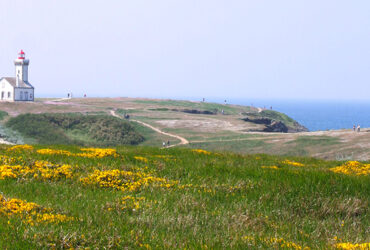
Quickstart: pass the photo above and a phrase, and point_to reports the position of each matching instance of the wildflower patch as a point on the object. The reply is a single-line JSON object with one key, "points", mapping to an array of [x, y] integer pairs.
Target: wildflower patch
{"points": [[352, 168], [20, 147], [140, 158], [38, 170], [293, 163], [274, 242], [350, 246], [201, 151], [122, 180], [4, 159], [87, 152], [30, 213]]}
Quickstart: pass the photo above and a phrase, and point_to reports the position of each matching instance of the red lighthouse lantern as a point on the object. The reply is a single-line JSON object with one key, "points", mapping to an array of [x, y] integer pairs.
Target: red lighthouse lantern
{"points": [[21, 55]]}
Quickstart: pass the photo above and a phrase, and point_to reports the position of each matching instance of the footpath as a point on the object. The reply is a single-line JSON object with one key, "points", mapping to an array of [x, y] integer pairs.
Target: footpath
{"points": [[183, 141]]}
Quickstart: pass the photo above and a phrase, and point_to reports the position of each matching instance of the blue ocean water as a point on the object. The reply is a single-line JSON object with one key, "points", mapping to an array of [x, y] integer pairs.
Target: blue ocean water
{"points": [[317, 115]]}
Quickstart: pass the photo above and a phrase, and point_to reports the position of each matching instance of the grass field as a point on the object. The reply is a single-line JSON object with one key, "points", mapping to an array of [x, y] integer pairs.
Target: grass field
{"points": [[204, 106], [142, 197]]}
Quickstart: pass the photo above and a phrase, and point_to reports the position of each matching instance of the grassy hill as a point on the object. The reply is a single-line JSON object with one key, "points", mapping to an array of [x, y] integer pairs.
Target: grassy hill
{"points": [[75, 128], [203, 124], [142, 197]]}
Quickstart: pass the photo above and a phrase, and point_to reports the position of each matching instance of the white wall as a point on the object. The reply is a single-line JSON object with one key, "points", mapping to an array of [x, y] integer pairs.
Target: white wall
{"points": [[6, 88]]}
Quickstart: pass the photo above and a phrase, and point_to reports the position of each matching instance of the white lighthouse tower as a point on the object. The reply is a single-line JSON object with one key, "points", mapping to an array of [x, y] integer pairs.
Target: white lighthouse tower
{"points": [[17, 88], [21, 67]]}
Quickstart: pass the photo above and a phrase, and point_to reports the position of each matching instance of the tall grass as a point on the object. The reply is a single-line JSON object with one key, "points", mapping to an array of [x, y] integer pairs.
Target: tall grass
{"points": [[212, 200]]}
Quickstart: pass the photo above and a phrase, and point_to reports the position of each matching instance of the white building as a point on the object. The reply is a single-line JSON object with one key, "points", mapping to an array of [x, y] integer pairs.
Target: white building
{"points": [[17, 88]]}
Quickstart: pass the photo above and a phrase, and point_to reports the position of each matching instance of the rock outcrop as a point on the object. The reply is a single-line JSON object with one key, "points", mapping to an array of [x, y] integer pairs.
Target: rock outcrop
{"points": [[276, 126]]}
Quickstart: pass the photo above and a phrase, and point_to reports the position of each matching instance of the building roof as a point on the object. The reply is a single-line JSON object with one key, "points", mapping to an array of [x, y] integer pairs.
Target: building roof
{"points": [[13, 82]]}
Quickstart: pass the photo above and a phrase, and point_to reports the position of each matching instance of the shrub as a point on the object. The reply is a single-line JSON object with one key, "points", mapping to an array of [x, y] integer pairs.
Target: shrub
{"points": [[99, 130]]}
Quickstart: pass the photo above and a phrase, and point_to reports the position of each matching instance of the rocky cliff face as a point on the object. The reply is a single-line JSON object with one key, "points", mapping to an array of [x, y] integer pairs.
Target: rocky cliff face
{"points": [[297, 128], [272, 125]]}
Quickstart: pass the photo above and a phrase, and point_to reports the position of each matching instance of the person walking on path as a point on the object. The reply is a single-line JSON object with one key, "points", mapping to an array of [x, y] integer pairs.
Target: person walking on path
{"points": [[354, 128], [164, 144], [168, 143], [358, 128]]}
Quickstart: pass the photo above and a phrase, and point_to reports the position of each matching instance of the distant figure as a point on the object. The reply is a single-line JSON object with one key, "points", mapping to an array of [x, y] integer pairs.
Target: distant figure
{"points": [[85, 95], [358, 128], [68, 95], [168, 143], [222, 112], [225, 101], [204, 99], [271, 107], [354, 128], [164, 144], [126, 116]]}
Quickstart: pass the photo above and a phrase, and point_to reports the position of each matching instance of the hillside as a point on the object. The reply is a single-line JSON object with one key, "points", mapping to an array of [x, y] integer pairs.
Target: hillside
{"points": [[75, 128], [139, 197], [210, 126]]}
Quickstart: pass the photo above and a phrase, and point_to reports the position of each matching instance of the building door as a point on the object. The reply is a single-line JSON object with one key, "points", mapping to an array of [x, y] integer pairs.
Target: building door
{"points": [[21, 95], [26, 95], [2, 95]]}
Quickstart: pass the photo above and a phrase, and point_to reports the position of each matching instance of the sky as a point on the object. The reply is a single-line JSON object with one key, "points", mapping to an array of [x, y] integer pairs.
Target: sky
{"points": [[286, 49]]}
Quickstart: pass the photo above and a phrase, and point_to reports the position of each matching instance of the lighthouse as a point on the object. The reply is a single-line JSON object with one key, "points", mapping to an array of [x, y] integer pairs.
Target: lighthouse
{"points": [[17, 88], [21, 67]]}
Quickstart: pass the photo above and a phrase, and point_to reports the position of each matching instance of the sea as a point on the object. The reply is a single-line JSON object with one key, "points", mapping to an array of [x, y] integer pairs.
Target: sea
{"points": [[316, 115]]}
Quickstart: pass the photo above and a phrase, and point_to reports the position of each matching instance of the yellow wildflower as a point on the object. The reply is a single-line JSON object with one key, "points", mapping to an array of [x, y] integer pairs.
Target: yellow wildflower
{"points": [[347, 245], [352, 168], [201, 151], [293, 163], [30, 213], [20, 147], [140, 158]]}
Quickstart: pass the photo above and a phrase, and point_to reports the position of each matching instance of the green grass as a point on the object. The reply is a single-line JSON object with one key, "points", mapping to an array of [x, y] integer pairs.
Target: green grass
{"points": [[128, 111], [75, 128], [152, 138], [311, 141], [3, 114], [231, 197], [242, 146], [228, 109]]}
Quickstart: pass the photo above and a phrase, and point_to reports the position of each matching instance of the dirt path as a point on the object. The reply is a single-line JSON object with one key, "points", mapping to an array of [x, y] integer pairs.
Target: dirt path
{"points": [[60, 99], [183, 141]]}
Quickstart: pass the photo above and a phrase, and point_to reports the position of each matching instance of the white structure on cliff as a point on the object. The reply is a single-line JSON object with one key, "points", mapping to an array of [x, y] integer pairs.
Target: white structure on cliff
{"points": [[17, 88]]}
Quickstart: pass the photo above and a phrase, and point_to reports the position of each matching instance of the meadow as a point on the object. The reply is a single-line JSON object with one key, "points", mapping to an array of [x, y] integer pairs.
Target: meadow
{"points": [[142, 197]]}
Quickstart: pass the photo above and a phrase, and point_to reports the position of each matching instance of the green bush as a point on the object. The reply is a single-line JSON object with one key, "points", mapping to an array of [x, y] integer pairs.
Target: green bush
{"points": [[3, 114], [99, 130]]}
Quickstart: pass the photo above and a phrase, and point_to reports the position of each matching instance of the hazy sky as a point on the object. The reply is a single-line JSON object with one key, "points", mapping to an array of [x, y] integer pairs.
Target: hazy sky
{"points": [[311, 49]]}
